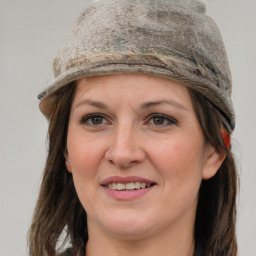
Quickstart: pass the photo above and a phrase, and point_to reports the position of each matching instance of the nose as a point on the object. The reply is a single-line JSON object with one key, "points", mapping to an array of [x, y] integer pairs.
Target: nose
{"points": [[125, 148]]}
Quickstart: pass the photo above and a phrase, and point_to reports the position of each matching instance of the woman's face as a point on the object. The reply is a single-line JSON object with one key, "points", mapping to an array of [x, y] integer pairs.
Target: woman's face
{"points": [[137, 154]]}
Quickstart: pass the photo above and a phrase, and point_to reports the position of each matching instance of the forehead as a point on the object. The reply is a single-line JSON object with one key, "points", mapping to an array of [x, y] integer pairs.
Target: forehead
{"points": [[132, 88]]}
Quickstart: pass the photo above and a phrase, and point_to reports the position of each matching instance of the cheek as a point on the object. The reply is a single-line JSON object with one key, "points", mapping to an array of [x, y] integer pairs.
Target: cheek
{"points": [[85, 154], [180, 163]]}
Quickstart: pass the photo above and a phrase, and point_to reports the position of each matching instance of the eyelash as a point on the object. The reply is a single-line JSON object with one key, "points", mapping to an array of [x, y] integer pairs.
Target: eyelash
{"points": [[90, 117], [170, 121]]}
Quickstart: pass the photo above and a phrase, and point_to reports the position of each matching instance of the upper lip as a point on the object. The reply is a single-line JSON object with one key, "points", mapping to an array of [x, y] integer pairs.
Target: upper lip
{"points": [[120, 179]]}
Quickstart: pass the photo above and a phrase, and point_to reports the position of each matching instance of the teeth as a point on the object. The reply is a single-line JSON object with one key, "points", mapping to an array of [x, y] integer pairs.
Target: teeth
{"points": [[128, 186], [137, 185], [143, 185], [120, 186]]}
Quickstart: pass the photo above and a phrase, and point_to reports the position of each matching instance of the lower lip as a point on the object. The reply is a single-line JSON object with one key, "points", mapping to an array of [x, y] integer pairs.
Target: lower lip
{"points": [[127, 194]]}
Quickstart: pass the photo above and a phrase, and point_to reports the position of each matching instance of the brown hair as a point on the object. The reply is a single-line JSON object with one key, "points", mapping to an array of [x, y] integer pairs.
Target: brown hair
{"points": [[215, 233], [58, 208]]}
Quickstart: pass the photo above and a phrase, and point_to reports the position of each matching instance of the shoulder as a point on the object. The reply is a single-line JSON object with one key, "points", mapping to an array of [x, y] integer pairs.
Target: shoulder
{"points": [[67, 252], [70, 252]]}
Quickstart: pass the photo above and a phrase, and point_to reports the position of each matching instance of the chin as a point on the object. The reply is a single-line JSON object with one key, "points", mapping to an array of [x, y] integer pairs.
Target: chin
{"points": [[129, 225]]}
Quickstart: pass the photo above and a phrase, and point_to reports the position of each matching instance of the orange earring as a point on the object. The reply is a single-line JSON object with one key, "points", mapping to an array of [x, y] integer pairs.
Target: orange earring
{"points": [[226, 137]]}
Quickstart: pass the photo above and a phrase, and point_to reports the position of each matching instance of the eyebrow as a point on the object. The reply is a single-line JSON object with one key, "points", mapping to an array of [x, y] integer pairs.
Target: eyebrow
{"points": [[96, 104], [144, 105], [161, 102]]}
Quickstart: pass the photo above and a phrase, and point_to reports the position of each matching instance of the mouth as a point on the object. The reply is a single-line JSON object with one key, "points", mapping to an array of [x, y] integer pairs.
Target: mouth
{"points": [[129, 186]]}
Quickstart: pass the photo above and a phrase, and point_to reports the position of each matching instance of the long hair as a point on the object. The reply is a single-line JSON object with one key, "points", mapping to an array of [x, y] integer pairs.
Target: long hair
{"points": [[59, 210], [215, 226], [58, 207]]}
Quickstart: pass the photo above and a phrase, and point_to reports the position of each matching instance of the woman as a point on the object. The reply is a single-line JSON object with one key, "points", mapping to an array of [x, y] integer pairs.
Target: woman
{"points": [[140, 119]]}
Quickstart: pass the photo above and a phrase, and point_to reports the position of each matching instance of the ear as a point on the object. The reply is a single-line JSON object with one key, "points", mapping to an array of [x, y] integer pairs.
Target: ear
{"points": [[212, 163], [67, 162]]}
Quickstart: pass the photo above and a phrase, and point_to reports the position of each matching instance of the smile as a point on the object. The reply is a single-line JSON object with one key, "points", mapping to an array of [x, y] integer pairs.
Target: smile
{"points": [[128, 186]]}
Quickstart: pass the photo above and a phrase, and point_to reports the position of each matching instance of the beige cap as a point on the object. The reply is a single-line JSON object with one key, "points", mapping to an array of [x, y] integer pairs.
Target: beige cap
{"points": [[168, 38]]}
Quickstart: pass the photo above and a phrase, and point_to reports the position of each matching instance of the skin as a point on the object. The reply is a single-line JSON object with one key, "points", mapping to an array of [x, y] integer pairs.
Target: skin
{"points": [[125, 140]]}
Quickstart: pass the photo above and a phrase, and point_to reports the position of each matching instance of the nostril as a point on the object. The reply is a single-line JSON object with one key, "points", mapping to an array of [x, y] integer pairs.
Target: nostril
{"points": [[124, 158]]}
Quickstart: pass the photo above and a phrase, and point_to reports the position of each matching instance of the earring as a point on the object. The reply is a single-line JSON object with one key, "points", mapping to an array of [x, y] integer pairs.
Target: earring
{"points": [[68, 160], [226, 137]]}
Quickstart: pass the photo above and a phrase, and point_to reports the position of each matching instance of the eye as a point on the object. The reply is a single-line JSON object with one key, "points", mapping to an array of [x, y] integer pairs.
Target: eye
{"points": [[161, 120], [94, 120]]}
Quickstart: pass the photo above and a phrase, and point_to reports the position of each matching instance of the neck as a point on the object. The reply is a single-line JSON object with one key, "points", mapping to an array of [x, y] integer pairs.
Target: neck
{"points": [[169, 243]]}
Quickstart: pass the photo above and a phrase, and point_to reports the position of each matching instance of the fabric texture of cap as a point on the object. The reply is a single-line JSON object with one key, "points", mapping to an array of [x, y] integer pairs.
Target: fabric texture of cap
{"points": [[168, 38]]}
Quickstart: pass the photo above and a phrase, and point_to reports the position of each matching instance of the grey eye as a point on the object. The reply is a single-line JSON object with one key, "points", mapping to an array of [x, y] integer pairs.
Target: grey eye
{"points": [[161, 120], [93, 120], [97, 120], [158, 120]]}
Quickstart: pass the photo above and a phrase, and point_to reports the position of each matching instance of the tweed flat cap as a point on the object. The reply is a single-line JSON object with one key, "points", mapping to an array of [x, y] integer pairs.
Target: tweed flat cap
{"points": [[175, 39]]}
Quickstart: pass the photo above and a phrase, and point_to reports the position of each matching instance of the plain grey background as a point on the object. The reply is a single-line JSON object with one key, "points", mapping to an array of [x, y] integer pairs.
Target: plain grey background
{"points": [[31, 31]]}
